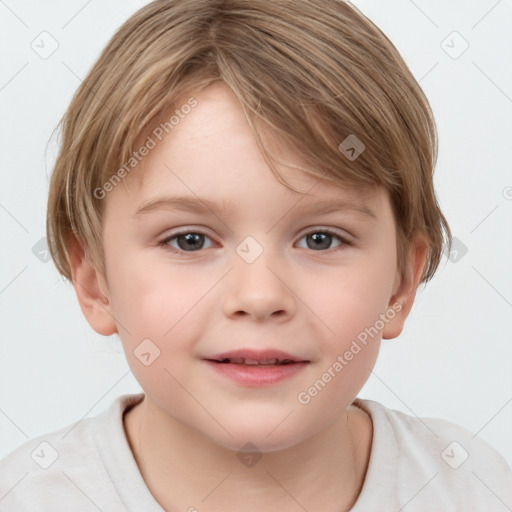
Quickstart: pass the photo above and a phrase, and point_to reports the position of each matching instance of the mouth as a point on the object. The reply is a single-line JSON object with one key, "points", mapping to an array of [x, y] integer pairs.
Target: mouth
{"points": [[256, 358], [251, 362], [256, 367]]}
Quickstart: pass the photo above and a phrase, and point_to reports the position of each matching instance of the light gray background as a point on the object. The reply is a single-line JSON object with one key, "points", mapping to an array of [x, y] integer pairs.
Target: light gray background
{"points": [[453, 359]]}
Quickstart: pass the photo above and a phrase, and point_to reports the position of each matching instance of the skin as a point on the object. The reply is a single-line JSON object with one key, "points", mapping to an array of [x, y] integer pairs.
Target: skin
{"points": [[310, 302]]}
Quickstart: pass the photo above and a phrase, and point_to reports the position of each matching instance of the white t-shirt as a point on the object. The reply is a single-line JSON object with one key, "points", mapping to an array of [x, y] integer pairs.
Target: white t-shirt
{"points": [[416, 464]]}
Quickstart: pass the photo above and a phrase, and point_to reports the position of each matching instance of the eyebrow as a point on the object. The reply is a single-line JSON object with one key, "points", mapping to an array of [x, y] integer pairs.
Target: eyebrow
{"points": [[203, 206], [184, 203]]}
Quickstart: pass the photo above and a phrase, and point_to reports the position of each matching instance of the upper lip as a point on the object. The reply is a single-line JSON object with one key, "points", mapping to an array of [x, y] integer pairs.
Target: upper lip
{"points": [[268, 356]]}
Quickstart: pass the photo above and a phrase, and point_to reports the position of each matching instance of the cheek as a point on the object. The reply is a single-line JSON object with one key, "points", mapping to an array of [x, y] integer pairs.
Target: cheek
{"points": [[152, 300], [352, 311], [351, 300], [142, 287], [351, 314], [157, 312]]}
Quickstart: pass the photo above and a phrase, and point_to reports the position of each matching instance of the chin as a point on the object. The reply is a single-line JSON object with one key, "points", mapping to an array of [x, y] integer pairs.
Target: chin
{"points": [[263, 435], [252, 443]]}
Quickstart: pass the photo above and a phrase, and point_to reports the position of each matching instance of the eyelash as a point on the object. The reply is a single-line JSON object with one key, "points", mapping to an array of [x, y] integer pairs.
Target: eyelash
{"points": [[165, 242]]}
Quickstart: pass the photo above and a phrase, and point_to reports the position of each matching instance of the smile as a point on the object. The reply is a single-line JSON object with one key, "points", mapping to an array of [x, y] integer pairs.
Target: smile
{"points": [[256, 368], [251, 362]]}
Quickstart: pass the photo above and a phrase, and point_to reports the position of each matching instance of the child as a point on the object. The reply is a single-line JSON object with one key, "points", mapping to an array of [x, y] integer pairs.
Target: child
{"points": [[257, 131]]}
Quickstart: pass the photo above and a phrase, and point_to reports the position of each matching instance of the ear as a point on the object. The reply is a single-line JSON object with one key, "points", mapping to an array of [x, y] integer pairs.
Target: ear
{"points": [[91, 290], [405, 288]]}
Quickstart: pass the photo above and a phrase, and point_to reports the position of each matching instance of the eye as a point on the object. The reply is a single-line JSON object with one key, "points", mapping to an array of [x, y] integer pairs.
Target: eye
{"points": [[193, 241], [322, 239], [187, 241]]}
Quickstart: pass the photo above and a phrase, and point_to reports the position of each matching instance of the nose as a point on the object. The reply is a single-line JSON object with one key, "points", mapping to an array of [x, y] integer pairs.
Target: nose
{"points": [[259, 290]]}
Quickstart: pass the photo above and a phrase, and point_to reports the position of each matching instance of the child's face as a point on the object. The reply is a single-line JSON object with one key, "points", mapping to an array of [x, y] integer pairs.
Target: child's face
{"points": [[308, 296]]}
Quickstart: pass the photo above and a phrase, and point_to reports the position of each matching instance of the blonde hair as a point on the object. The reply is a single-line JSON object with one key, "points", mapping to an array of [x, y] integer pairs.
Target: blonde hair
{"points": [[313, 72]]}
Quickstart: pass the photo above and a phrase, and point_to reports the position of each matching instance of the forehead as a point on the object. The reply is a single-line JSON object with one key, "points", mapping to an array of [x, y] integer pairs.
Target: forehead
{"points": [[211, 152]]}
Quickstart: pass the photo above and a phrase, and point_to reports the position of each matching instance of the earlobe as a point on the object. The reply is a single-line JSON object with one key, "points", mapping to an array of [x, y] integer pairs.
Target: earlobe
{"points": [[91, 291], [405, 289]]}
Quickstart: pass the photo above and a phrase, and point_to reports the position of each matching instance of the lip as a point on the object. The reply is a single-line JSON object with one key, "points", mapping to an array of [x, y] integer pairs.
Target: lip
{"points": [[256, 374], [256, 355]]}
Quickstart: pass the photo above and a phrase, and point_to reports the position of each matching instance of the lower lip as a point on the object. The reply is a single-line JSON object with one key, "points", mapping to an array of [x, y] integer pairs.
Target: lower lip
{"points": [[257, 375]]}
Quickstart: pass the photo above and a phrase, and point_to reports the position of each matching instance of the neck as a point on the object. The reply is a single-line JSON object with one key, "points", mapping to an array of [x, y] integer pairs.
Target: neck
{"points": [[186, 471]]}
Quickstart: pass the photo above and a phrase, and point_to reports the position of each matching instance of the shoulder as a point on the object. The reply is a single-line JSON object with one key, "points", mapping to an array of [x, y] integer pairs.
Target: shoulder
{"points": [[57, 467], [437, 459]]}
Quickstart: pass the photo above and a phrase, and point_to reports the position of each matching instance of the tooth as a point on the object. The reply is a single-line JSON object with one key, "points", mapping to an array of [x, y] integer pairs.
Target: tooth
{"points": [[268, 361], [250, 361], [236, 360]]}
